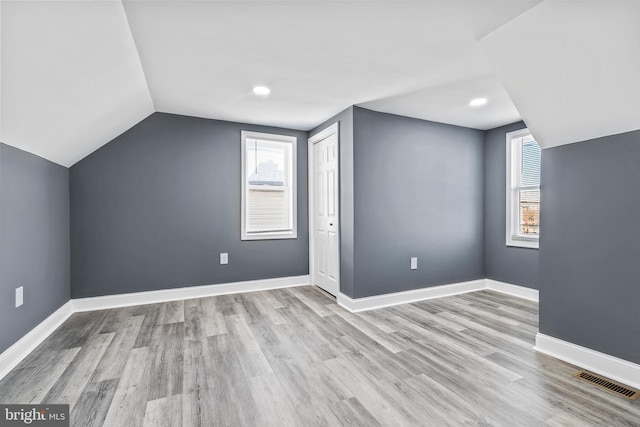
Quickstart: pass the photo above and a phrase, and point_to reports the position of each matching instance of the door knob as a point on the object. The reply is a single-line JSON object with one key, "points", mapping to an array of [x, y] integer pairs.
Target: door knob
{"points": [[330, 224]]}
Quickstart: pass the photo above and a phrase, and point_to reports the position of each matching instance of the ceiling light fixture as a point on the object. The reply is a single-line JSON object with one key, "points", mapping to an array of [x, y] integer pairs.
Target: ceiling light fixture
{"points": [[478, 102], [261, 90]]}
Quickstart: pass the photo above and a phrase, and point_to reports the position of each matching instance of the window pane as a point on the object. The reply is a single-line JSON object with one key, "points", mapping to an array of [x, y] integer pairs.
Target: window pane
{"points": [[266, 162], [529, 213], [523, 185], [268, 197], [530, 162]]}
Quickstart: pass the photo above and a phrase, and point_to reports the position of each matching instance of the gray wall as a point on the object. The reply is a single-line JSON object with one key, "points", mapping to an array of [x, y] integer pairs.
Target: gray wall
{"points": [[590, 244], [519, 266], [34, 241], [345, 134], [418, 192], [154, 208]]}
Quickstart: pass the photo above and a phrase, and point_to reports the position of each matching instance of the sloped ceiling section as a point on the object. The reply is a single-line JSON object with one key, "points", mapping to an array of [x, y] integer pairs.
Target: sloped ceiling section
{"points": [[572, 68], [71, 77]]}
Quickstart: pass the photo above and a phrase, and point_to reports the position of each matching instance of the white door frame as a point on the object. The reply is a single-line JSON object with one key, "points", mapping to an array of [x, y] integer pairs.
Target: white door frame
{"points": [[325, 133]]}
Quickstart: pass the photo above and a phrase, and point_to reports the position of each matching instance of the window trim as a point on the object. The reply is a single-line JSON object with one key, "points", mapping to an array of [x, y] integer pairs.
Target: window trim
{"points": [[289, 234], [511, 218]]}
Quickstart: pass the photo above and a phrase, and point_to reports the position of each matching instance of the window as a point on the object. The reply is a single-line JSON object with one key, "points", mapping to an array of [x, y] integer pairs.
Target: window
{"points": [[268, 186], [523, 190]]}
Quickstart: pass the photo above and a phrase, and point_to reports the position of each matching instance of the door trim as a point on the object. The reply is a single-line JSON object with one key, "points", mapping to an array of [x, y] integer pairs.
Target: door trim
{"points": [[325, 133]]}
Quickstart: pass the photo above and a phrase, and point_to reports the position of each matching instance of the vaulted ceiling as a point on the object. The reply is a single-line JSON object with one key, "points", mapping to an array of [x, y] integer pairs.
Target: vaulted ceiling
{"points": [[75, 74]]}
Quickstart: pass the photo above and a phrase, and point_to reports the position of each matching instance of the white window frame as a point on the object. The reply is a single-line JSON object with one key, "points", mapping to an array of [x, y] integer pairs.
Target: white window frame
{"points": [[293, 174], [514, 166]]}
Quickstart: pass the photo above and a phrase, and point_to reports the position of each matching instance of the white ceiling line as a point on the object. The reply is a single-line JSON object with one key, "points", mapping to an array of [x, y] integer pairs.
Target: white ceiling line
{"points": [[524, 12], [497, 75], [135, 45]]}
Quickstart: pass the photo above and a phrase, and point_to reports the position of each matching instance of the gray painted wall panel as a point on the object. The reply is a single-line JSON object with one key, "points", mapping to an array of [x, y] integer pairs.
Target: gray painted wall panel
{"points": [[589, 248], [345, 120], [154, 208], [34, 241], [518, 266], [418, 192]]}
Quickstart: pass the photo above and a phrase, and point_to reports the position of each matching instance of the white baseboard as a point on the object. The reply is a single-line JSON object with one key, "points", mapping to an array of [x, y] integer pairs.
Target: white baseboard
{"points": [[513, 290], [11, 357], [611, 367], [387, 300], [176, 294]]}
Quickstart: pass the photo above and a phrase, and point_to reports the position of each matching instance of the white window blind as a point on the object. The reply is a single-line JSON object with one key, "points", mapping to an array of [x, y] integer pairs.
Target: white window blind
{"points": [[523, 189], [268, 210], [529, 189], [268, 186]]}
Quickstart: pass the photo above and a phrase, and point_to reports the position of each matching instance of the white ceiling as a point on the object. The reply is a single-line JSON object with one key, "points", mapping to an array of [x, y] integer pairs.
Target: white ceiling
{"points": [[75, 74], [202, 58]]}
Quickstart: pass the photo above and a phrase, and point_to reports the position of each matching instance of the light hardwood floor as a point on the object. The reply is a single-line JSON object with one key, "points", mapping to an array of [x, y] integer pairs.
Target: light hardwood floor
{"points": [[292, 357]]}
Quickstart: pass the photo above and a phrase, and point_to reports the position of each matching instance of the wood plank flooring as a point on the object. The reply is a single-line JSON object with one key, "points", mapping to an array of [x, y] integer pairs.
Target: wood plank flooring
{"points": [[292, 357]]}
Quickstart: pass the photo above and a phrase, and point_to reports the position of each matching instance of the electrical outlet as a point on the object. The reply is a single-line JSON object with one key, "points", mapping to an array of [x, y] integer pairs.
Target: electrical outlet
{"points": [[224, 258], [19, 296], [414, 263]]}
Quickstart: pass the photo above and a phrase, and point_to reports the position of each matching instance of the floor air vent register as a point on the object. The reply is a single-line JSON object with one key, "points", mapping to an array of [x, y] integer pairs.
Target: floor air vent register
{"points": [[609, 385]]}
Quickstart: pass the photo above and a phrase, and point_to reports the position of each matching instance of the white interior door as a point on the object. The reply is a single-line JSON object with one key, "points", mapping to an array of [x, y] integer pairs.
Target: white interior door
{"points": [[325, 241]]}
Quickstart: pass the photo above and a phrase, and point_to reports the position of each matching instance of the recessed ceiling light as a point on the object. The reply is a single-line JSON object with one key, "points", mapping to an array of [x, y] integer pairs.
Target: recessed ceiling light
{"points": [[261, 90], [478, 102]]}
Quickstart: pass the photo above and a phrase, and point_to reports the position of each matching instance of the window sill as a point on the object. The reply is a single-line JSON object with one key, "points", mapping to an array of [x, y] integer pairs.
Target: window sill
{"points": [[270, 236], [523, 243]]}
